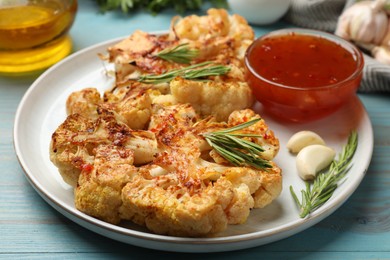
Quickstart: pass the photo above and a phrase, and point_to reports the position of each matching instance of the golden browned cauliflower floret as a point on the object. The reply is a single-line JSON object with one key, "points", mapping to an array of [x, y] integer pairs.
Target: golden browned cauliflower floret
{"points": [[267, 138], [165, 206], [215, 32], [74, 141], [270, 188], [99, 188], [164, 117], [133, 104], [84, 102], [65, 151], [136, 55], [218, 99]]}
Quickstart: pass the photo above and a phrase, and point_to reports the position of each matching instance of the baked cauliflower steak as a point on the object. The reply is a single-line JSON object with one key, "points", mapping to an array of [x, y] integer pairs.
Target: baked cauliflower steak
{"points": [[139, 151], [184, 192], [184, 189], [218, 37]]}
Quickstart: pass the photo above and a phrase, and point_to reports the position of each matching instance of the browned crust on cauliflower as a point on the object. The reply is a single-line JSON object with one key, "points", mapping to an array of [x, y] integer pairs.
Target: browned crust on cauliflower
{"points": [[137, 153], [218, 37], [178, 191]]}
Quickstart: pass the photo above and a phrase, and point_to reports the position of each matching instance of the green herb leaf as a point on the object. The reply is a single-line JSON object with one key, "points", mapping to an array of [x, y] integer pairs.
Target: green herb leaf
{"points": [[322, 188], [238, 151], [179, 54], [194, 72]]}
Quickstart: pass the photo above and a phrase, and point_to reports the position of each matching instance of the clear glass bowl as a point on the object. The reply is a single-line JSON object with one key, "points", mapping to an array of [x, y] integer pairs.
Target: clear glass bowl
{"points": [[302, 104]]}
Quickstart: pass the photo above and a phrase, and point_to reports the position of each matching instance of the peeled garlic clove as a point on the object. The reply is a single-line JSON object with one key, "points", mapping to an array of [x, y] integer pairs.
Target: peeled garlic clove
{"points": [[312, 159], [302, 139]]}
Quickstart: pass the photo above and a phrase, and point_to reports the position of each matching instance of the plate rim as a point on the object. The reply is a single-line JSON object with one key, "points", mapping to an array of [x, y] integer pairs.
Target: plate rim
{"points": [[208, 244]]}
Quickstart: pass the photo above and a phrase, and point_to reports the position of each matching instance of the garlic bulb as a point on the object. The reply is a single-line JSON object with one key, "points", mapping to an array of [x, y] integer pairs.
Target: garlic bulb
{"points": [[365, 22]]}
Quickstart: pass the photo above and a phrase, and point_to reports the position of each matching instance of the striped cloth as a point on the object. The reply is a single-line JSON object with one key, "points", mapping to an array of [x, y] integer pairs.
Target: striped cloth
{"points": [[323, 15]]}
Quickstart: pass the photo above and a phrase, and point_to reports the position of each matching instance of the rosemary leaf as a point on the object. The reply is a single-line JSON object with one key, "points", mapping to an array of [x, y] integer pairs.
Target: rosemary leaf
{"points": [[236, 150], [322, 188], [179, 54], [193, 72], [240, 126]]}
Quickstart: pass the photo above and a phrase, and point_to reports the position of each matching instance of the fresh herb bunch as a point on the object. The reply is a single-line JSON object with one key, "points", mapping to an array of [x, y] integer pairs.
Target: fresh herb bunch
{"points": [[235, 149], [198, 71], [322, 188], [179, 54], [155, 6]]}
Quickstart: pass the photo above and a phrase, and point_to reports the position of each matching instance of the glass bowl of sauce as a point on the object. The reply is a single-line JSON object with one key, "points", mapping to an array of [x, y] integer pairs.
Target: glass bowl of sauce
{"points": [[301, 75]]}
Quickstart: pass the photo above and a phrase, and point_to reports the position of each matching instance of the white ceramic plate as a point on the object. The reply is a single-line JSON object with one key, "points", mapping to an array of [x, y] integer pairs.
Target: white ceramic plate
{"points": [[42, 109]]}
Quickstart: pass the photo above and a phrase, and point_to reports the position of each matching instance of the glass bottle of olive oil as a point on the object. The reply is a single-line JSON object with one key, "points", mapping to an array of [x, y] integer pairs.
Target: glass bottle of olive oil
{"points": [[33, 33]]}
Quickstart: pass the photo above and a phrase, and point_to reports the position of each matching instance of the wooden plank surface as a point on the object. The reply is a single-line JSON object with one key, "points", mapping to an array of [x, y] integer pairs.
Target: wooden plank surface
{"points": [[31, 229]]}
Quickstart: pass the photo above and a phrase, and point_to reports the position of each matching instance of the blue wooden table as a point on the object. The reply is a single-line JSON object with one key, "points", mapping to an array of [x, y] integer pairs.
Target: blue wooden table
{"points": [[31, 229]]}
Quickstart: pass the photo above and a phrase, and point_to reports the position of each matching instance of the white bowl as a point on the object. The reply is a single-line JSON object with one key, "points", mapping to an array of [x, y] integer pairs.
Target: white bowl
{"points": [[260, 12]]}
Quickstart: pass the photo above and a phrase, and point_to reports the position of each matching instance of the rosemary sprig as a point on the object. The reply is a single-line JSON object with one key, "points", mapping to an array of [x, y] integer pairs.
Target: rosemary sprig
{"points": [[179, 54], [196, 71], [322, 188], [233, 148]]}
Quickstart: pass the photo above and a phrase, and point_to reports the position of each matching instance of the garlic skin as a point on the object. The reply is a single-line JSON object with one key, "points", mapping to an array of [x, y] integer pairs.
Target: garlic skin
{"points": [[365, 22], [381, 54], [386, 39], [301, 139], [312, 159]]}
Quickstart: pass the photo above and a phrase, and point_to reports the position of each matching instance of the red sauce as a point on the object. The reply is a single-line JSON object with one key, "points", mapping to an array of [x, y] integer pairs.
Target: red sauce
{"points": [[301, 77], [87, 167], [302, 60]]}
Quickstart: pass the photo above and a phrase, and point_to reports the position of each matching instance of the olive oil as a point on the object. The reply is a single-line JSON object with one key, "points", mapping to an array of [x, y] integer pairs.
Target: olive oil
{"points": [[33, 35]]}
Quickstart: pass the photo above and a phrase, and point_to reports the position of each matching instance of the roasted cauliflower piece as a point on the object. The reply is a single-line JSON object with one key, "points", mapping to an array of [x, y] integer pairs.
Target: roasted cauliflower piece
{"points": [[99, 188], [138, 152], [65, 151], [74, 142], [134, 107], [166, 207], [215, 32], [270, 188], [131, 104], [217, 99], [218, 37], [136, 55], [268, 140], [175, 191], [179, 203], [84, 102], [190, 196]]}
